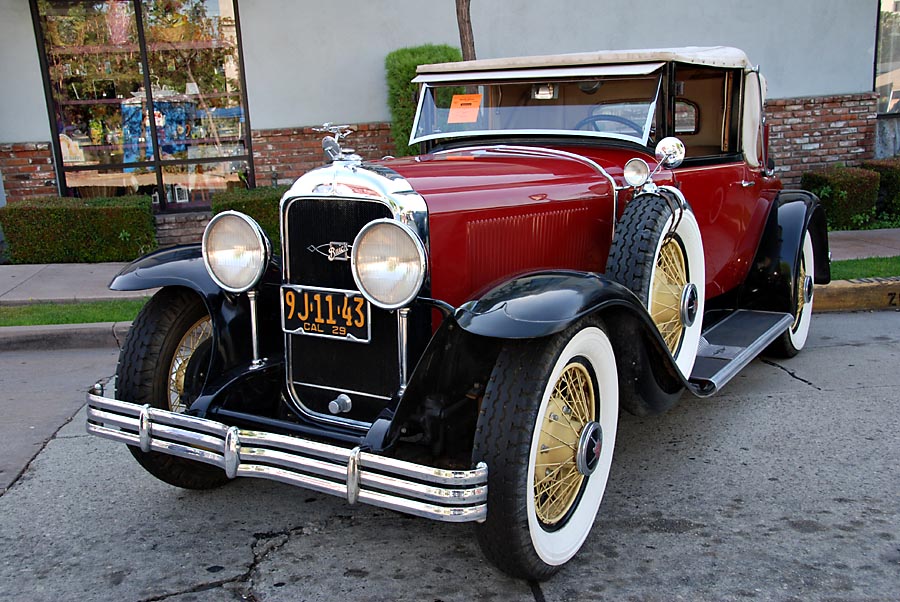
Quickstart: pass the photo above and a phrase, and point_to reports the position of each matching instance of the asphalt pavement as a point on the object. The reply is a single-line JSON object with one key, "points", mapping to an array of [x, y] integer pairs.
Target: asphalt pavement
{"points": [[782, 487]]}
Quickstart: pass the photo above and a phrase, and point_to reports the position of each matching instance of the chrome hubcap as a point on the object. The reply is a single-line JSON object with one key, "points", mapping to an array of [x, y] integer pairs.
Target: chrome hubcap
{"points": [[590, 444]]}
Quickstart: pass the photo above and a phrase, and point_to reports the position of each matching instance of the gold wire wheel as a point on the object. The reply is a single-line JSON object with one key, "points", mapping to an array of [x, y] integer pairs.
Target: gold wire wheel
{"points": [[801, 297], [190, 342], [557, 481], [668, 284]]}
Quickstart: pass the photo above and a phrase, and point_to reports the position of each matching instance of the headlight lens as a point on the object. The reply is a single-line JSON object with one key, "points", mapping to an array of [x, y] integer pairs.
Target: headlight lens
{"points": [[388, 263], [235, 251], [636, 172]]}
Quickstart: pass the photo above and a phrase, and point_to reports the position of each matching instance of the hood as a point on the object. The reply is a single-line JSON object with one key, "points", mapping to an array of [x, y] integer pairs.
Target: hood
{"points": [[491, 176]]}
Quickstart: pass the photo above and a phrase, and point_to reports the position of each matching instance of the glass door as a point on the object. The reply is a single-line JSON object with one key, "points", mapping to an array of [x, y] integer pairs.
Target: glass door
{"points": [[146, 96]]}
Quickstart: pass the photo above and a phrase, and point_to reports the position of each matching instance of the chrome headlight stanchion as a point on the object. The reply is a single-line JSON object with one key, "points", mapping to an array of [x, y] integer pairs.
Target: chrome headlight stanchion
{"points": [[235, 252], [254, 331]]}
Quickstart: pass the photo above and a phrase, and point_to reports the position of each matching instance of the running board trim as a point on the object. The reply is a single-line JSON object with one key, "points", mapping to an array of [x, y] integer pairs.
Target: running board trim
{"points": [[724, 360]]}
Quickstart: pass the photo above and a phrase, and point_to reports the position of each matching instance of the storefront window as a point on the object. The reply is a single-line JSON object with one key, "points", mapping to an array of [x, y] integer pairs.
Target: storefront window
{"points": [[147, 96], [887, 68]]}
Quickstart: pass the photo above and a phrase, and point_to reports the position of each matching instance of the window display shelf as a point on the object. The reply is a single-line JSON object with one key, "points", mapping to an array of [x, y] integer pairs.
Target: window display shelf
{"points": [[135, 48]]}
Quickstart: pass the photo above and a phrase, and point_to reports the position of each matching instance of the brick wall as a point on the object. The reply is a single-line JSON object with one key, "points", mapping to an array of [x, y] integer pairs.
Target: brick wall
{"points": [[27, 169], [806, 134], [180, 228], [285, 154]]}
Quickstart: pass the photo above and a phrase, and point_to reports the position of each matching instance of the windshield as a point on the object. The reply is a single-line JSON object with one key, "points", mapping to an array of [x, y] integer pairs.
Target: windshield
{"points": [[611, 107]]}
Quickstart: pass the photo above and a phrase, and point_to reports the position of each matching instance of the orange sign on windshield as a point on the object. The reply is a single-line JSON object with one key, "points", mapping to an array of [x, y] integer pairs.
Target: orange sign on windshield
{"points": [[464, 108]]}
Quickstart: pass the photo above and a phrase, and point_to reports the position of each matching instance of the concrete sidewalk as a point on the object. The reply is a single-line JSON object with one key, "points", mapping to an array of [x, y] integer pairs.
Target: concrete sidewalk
{"points": [[61, 283]]}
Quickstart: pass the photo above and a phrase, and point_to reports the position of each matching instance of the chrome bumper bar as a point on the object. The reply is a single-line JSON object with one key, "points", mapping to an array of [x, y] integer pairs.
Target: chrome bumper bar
{"points": [[445, 495]]}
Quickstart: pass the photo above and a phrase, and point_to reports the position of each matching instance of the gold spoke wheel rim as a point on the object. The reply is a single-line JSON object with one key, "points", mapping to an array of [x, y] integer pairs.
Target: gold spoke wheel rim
{"points": [[801, 297], [557, 481], [189, 343], [668, 285]]}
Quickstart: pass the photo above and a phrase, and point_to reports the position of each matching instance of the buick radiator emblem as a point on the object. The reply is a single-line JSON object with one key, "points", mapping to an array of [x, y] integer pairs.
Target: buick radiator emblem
{"points": [[334, 251]]}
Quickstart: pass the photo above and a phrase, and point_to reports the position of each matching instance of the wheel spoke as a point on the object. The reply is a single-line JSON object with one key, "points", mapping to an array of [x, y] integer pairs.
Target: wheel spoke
{"points": [[195, 336], [571, 406]]}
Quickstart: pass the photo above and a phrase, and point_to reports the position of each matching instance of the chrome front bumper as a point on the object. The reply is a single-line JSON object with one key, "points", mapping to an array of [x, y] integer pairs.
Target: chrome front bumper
{"points": [[446, 495]]}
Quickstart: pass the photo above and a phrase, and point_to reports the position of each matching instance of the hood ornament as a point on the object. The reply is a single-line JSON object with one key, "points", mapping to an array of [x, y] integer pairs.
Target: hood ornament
{"points": [[331, 145]]}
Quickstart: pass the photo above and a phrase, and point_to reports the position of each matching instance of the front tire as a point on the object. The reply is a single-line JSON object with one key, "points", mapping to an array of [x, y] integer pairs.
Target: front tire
{"points": [[163, 363], [546, 430]]}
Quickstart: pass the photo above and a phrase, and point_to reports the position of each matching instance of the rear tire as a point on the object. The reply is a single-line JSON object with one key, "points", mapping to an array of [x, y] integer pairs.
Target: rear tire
{"points": [[546, 430], [794, 338], [163, 363]]}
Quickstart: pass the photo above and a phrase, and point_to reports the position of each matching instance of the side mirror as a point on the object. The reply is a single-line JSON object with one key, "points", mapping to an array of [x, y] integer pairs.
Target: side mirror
{"points": [[670, 152]]}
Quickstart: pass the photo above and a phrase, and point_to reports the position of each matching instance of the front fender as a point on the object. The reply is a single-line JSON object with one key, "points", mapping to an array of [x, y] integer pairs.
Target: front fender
{"points": [[545, 303], [541, 303], [175, 266], [230, 313]]}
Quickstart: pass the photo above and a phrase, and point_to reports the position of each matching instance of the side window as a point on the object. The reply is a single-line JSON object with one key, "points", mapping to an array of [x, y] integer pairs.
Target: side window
{"points": [[687, 118], [707, 117]]}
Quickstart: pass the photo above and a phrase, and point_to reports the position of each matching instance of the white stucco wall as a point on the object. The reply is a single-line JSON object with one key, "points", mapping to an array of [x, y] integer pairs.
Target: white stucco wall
{"points": [[804, 47], [309, 66], [23, 109], [308, 63]]}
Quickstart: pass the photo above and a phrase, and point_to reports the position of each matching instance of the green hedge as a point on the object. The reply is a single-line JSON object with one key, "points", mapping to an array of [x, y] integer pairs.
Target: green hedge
{"points": [[402, 99], [69, 230], [847, 193], [259, 203], [889, 185]]}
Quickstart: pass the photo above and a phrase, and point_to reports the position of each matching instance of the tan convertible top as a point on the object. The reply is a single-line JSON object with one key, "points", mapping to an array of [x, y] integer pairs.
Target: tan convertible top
{"points": [[715, 56]]}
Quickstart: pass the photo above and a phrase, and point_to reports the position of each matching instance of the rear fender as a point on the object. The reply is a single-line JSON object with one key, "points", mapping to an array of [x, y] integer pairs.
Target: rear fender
{"points": [[769, 285]]}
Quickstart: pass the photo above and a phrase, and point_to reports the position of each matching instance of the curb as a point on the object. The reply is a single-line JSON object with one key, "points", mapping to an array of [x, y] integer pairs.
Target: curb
{"points": [[858, 295], [63, 336]]}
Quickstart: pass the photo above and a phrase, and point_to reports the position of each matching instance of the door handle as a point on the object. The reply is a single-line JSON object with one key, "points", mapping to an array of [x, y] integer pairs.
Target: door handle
{"points": [[747, 183]]}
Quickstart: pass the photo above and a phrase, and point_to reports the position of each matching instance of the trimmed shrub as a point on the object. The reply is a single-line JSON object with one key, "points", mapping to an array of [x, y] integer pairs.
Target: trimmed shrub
{"points": [[847, 193], [69, 230], [889, 185], [259, 203], [401, 69]]}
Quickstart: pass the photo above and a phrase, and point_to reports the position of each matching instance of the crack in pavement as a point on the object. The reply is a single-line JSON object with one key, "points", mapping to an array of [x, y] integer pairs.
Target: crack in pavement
{"points": [[263, 545], [789, 372]]}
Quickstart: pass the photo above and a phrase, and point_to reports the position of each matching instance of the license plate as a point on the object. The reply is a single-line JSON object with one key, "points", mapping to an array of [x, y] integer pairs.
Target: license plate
{"points": [[335, 314]]}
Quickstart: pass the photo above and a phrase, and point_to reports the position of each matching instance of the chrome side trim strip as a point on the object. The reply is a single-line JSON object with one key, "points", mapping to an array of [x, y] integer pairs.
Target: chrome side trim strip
{"points": [[430, 492]]}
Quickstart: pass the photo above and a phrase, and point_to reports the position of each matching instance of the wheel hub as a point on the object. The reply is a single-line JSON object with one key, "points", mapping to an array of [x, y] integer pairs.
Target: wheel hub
{"points": [[590, 445], [690, 300], [807, 289]]}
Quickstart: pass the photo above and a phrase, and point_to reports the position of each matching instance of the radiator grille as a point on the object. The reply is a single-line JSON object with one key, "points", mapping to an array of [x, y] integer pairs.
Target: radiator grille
{"points": [[320, 368]]}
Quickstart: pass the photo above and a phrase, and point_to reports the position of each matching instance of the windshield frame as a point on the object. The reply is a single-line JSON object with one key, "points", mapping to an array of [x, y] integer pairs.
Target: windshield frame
{"points": [[430, 83]]}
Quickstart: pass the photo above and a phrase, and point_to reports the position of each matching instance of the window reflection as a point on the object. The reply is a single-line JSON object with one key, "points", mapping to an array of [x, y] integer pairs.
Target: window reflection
{"points": [[98, 75]]}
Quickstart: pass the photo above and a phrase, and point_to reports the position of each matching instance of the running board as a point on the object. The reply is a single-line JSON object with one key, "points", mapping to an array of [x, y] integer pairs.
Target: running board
{"points": [[731, 344]]}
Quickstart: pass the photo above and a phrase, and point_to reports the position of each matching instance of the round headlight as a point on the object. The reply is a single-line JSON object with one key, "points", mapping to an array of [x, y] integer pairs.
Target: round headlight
{"points": [[388, 263], [636, 172], [235, 251]]}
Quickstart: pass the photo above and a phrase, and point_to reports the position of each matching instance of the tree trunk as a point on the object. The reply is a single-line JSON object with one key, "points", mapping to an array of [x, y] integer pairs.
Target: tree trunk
{"points": [[466, 38]]}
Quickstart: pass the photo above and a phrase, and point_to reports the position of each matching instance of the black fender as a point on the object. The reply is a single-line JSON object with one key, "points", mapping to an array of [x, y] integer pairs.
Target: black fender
{"points": [[769, 284], [461, 355], [183, 267]]}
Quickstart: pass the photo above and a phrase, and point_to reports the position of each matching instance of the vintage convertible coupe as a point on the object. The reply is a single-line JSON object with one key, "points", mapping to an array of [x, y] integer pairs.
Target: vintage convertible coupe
{"points": [[451, 335]]}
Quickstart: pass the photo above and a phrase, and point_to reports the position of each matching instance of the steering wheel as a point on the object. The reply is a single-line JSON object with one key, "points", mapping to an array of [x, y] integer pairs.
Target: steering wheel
{"points": [[594, 119]]}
